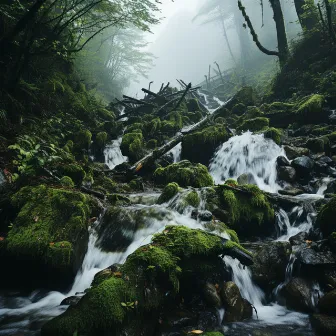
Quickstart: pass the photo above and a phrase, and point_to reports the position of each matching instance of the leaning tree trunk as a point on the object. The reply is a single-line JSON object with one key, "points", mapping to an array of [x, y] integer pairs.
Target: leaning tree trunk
{"points": [[281, 31], [307, 14]]}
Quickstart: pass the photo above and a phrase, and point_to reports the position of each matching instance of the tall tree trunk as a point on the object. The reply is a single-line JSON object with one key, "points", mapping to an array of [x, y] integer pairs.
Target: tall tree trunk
{"points": [[329, 19], [308, 16], [281, 31]]}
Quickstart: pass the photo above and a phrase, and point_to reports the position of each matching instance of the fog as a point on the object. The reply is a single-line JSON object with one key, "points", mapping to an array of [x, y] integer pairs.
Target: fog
{"points": [[185, 46]]}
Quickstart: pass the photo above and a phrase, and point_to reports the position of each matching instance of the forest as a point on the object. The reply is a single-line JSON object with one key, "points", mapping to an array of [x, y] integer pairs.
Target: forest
{"points": [[168, 168]]}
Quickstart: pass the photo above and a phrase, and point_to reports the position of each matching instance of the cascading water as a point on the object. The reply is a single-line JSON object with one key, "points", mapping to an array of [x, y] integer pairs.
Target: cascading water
{"points": [[113, 155], [247, 153], [176, 152]]}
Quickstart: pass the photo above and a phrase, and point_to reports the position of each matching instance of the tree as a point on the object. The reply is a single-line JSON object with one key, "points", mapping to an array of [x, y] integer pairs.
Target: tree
{"points": [[283, 50], [307, 14]]}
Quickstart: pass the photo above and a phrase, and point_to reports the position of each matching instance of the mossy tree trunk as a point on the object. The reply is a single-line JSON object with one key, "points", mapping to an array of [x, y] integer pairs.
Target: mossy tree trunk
{"points": [[307, 14], [281, 31]]}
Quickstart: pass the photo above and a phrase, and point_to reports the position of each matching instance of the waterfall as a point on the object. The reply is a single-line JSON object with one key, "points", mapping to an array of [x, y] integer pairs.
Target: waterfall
{"points": [[176, 152], [113, 155], [247, 153]]}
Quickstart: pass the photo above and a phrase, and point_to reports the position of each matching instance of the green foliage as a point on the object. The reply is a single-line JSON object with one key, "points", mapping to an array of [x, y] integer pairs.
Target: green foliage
{"points": [[185, 174]]}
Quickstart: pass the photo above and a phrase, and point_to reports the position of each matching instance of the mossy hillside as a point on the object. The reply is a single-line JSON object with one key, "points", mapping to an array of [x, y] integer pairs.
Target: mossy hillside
{"points": [[326, 218], [250, 213], [185, 174], [49, 236], [200, 146], [153, 269], [169, 191]]}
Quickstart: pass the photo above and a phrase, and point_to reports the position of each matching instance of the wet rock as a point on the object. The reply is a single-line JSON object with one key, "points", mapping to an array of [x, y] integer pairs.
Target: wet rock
{"points": [[270, 262], [211, 296], [327, 304], [297, 294], [327, 160], [291, 191], [247, 178], [299, 238], [207, 320], [70, 301], [325, 220], [236, 308], [316, 145], [323, 325], [282, 161], [303, 165], [3, 180], [328, 278], [294, 152], [308, 256], [287, 174], [205, 216]]}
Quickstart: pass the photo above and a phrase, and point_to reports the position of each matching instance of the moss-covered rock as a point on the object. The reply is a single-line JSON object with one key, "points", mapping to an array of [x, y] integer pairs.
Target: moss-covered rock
{"points": [[141, 285], [249, 214], [239, 109], [49, 232], [72, 170], [254, 125], [132, 146], [318, 145], [192, 198], [169, 191], [101, 139], [311, 109], [185, 174], [200, 146], [82, 140], [273, 133], [326, 218], [66, 181]]}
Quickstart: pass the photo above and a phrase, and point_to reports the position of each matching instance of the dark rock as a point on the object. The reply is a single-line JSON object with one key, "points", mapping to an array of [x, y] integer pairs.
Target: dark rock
{"points": [[290, 191], [3, 180], [282, 161], [327, 160], [297, 294], [328, 279], [323, 325], [287, 174], [207, 320], [294, 152], [316, 145], [270, 262], [299, 238], [247, 178], [236, 308], [70, 301], [205, 216], [308, 256], [303, 165], [211, 296], [327, 304]]}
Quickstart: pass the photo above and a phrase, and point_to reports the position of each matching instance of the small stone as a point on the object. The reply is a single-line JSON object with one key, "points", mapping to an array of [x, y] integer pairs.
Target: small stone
{"points": [[282, 161], [287, 174]]}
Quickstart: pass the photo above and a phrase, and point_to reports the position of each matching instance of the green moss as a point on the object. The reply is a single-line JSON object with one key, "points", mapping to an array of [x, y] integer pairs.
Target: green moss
{"points": [[82, 140], [219, 227], [73, 170], [192, 199], [104, 184], [249, 213], [273, 133], [253, 125], [199, 146], [116, 199], [101, 139], [49, 222], [132, 145], [151, 144], [317, 145], [68, 147], [169, 191], [311, 106], [185, 174], [134, 127], [213, 333], [231, 182], [66, 181]]}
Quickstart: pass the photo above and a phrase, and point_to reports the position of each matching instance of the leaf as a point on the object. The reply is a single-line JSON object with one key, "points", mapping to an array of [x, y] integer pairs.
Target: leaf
{"points": [[196, 332], [117, 274], [123, 304]]}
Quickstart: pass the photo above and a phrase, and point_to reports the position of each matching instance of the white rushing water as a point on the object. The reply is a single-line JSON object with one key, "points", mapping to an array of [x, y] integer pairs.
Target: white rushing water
{"points": [[247, 153], [113, 155], [176, 151]]}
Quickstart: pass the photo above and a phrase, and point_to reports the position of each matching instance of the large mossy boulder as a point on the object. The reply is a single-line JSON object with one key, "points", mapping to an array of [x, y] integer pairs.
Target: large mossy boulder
{"points": [[201, 145], [326, 218], [248, 210], [185, 174], [254, 125], [48, 239], [148, 285], [310, 110], [132, 145], [169, 191]]}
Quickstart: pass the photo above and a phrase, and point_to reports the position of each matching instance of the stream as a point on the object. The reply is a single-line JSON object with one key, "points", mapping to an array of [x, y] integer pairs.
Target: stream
{"points": [[246, 153]]}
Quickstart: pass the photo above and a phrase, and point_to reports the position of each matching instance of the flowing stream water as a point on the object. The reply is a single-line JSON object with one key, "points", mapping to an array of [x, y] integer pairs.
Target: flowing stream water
{"points": [[246, 153]]}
